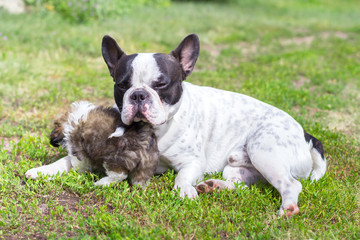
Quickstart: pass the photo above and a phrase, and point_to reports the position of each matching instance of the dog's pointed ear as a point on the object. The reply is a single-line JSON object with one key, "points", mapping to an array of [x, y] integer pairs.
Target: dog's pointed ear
{"points": [[111, 53], [187, 53]]}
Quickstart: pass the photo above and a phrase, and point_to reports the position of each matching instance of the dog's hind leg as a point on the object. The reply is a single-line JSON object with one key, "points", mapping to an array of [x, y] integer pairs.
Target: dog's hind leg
{"points": [[275, 166], [288, 187], [233, 176], [238, 170]]}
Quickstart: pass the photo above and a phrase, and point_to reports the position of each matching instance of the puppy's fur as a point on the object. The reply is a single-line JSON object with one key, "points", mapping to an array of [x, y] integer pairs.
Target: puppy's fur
{"points": [[95, 138]]}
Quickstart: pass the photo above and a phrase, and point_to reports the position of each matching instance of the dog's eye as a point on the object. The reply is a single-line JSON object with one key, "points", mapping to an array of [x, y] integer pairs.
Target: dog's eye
{"points": [[161, 83], [122, 86]]}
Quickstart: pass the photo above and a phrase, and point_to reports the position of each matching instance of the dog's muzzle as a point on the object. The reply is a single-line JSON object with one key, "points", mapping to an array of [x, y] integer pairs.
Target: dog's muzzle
{"points": [[139, 97], [143, 104], [139, 106]]}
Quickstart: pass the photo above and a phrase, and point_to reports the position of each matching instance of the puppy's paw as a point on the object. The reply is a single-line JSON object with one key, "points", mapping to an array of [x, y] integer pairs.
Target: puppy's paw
{"points": [[43, 170], [111, 178], [186, 190], [118, 132], [140, 184], [104, 182]]}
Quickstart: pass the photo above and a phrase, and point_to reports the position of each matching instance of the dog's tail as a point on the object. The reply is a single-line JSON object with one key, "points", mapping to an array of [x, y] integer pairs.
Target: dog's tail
{"points": [[317, 154]]}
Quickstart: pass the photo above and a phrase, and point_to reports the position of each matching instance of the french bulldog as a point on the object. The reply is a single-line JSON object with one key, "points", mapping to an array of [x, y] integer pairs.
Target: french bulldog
{"points": [[204, 130]]}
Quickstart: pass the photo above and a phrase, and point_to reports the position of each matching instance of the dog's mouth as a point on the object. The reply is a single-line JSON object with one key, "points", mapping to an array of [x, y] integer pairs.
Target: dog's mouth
{"points": [[142, 113], [139, 116]]}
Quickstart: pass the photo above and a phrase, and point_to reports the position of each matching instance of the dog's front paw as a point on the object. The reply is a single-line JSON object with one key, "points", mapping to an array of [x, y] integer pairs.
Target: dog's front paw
{"points": [[186, 191], [32, 173]]}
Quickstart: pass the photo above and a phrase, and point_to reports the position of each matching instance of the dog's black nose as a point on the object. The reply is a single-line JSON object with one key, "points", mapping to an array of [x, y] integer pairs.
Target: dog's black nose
{"points": [[139, 96]]}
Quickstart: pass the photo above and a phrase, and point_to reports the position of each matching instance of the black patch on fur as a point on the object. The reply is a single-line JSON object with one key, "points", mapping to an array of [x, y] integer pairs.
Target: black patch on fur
{"points": [[57, 134], [316, 143], [111, 52], [56, 141], [171, 78], [122, 78]]}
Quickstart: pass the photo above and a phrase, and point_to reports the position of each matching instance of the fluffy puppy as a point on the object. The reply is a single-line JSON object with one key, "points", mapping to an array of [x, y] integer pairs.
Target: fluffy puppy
{"points": [[96, 139]]}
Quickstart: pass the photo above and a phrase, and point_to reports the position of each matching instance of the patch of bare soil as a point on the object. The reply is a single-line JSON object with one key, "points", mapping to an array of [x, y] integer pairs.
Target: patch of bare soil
{"points": [[307, 40], [245, 48], [215, 49], [301, 81], [69, 201], [357, 190], [71, 205], [6, 143], [347, 119]]}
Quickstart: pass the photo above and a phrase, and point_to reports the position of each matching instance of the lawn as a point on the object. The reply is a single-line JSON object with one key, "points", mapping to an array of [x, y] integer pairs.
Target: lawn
{"points": [[300, 56]]}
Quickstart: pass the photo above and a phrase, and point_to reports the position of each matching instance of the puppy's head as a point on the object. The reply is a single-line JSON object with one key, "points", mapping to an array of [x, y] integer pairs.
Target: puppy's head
{"points": [[148, 86]]}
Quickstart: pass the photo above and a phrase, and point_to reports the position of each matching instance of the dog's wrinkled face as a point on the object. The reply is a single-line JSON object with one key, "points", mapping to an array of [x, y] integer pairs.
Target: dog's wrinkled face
{"points": [[148, 86]]}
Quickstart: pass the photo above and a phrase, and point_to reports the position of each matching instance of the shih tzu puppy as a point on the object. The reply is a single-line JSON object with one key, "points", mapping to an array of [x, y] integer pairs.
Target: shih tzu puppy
{"points": [[96, 139]]}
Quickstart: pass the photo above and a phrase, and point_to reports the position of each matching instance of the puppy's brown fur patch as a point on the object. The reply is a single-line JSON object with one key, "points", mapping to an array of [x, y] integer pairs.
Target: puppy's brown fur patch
{"points": [[135, 153]]}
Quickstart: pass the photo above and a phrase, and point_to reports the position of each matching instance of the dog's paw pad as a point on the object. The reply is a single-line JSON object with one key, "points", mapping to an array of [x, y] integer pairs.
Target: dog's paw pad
{"points": [[290, 210], [201, 188], [209, 183], [210, 186]]}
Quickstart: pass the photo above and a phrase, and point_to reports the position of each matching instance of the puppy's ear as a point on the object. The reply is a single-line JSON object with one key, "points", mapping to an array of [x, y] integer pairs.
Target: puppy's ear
{"points": [[111, 53], [57, 134], [187, 53]]}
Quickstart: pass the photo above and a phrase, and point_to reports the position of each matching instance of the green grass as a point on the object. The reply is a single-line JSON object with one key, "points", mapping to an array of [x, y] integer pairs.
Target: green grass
{"points": [[301, 56]]}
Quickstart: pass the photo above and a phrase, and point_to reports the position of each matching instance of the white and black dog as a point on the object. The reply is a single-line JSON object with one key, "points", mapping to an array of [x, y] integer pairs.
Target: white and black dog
{"points": [[203, 130]]}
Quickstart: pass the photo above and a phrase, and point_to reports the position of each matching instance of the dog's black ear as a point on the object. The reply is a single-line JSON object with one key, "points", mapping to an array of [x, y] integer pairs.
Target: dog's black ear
{"points": [[111, 53], [187, 53]]}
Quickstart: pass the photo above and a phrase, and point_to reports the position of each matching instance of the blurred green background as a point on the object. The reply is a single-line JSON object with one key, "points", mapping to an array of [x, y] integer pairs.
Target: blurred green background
{"points": [[302, 56]]}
